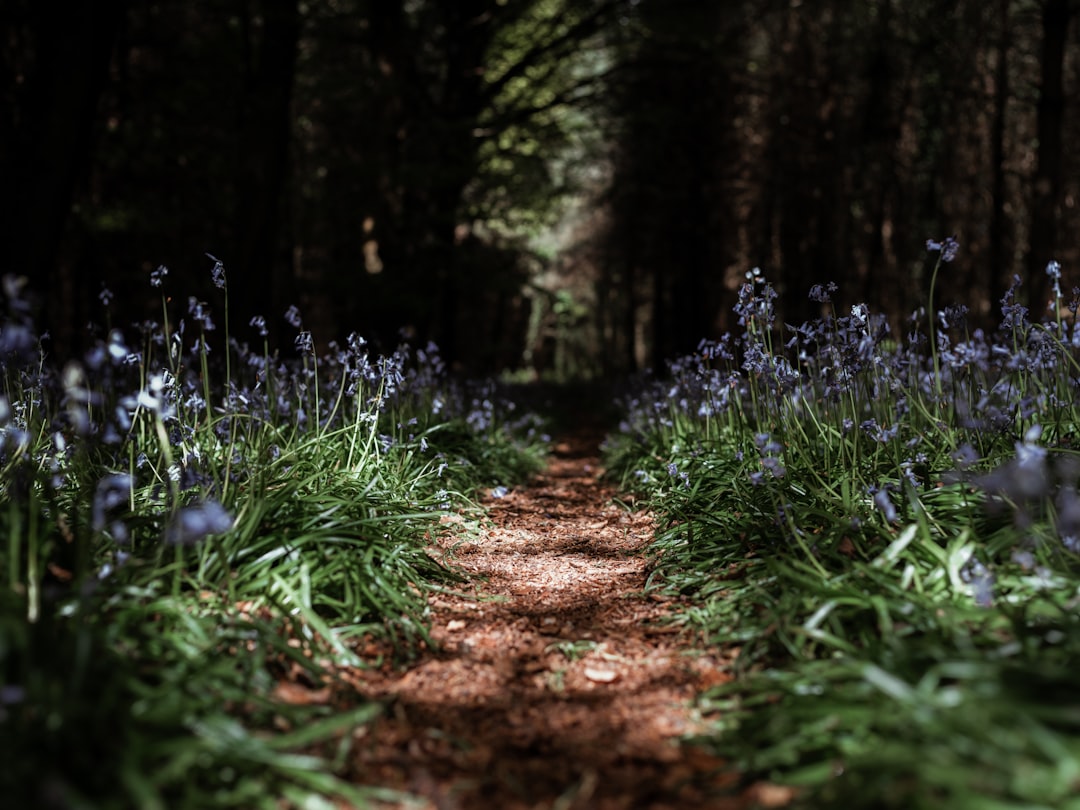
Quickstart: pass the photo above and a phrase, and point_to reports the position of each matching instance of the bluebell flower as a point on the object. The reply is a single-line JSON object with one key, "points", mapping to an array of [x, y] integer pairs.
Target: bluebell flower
{"points": [[884, 503], [18, 343], [157, 277], [948, 248], [981, 580], [1053, 270], [193, 524], [112, 491], [965, 456], [860, 314], [259, 323], [12, 694], [953, 316], [774, 466], [200, 313], [823, 295], [118, 530], [1013, 315], [217, 273], [1025, 477], [292, 316], [673, 471]]}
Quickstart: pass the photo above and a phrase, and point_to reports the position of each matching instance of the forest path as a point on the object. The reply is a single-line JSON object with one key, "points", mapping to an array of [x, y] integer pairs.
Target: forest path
{"points": [[557, 684]]}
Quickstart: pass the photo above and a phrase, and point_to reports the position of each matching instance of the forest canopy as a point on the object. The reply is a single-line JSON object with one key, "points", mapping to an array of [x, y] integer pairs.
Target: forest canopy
{"points": [[552, 187]]}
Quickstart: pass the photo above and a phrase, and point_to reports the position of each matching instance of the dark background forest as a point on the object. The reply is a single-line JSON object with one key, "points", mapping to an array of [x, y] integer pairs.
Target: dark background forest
{"points": [[548, 187]]}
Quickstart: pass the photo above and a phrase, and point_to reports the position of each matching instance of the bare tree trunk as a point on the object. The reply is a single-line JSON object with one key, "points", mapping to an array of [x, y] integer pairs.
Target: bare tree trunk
{"points": [[998, 221], [59, 66], [262, 269], [1049, 125]]}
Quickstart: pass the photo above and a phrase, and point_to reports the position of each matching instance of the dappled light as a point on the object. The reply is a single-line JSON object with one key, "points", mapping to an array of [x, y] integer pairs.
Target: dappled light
{"points": [[539, 405]]}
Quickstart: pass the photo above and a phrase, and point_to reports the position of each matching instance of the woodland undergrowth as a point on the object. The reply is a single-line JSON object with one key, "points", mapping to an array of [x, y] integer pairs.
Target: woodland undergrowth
{"points": [[188, 523], [886, 529]]}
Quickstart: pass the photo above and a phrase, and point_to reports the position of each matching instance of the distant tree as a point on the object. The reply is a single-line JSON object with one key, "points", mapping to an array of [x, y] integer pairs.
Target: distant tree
{"points": [[1055, 16], [670, 237], [421, 165], [445, 116], [54, 59], [260, 263]]}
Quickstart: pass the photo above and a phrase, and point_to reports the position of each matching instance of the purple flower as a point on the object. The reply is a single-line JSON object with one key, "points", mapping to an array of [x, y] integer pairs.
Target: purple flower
{"points": [[217, 273], [948, 247], [18, 342], [292, 316], [259, 322], [1013, 315], [112, 491], [965, 456], [193, 524], [1053, 269], [884, 503], [823, 295], [157, 277], [953, 316], [199, 312], [981, 580], [774, 465]]}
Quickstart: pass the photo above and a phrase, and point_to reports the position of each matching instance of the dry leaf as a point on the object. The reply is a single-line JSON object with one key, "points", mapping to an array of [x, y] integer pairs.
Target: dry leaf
{"points": [[454, 625], [766, 794], [297, 695], [600, 675]]}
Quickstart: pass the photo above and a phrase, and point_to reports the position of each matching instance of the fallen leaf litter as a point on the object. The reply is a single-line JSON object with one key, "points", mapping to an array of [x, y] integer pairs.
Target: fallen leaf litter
{"points": [[557, 683]]}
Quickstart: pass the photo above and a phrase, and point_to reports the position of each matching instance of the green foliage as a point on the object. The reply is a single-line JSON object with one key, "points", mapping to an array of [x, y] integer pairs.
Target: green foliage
{"points": [[181, 536], [884, 537]]}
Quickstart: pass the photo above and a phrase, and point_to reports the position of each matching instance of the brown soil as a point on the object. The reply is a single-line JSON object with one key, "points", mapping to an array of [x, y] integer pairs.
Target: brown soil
{"points": [[558, 683]]}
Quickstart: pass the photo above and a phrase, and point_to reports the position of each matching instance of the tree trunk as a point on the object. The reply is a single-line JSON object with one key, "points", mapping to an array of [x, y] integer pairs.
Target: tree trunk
{"points": [[261, 270], [45, 144], [999, 222], [1049, 124]]}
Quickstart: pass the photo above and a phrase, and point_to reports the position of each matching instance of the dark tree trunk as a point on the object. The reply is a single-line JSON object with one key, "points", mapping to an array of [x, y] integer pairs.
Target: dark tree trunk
{"points": [[1049, 126], [59, 65], [433, 117], [261, 271], [999, 222], [880, 132]]}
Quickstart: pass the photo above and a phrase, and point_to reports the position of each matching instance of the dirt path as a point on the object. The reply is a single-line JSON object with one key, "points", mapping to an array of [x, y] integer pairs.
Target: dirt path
{"points": [[561, 686]]}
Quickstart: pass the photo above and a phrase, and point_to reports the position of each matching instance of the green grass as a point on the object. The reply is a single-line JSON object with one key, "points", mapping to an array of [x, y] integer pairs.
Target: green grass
{"points": [[885, 537], [179, 536]]}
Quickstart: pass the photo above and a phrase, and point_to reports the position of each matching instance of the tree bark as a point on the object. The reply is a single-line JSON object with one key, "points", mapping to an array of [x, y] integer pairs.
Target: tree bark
{"points": [[60, 72], [262, 268], [1049, 126], [998, 220]]}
